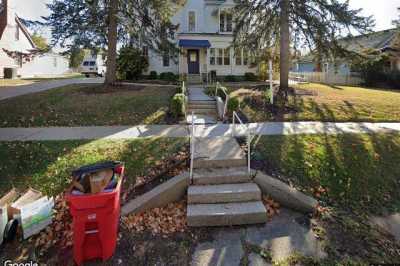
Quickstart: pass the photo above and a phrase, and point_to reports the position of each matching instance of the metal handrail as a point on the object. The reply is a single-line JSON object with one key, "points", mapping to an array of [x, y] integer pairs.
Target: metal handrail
{"points": [[219, 87], [249, 138], [192, 149], [184, 92]]}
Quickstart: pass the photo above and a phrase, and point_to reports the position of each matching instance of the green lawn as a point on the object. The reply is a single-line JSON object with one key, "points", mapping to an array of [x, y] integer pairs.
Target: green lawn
{"points": [[359, 171], [46, 165], [88, 105], [317, 102]]}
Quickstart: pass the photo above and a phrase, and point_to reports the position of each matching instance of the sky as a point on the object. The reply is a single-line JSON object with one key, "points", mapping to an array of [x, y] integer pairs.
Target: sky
{"points": [[384, 11]]}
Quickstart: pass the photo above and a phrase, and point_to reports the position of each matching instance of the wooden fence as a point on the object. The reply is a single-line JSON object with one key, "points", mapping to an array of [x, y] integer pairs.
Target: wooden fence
{"points": [[327, 78]]}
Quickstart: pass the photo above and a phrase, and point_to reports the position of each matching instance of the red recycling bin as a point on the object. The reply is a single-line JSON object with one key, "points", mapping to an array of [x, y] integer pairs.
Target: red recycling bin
{"points": [[95, 222]]}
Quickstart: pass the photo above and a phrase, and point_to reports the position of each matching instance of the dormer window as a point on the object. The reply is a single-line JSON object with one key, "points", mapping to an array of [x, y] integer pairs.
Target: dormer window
{"points": [[192, 21], [225, 22]]}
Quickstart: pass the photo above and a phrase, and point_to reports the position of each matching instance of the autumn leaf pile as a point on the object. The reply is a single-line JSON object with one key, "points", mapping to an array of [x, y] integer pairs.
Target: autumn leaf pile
{"points": [[166, 220], [271, 206], [60, 232]]}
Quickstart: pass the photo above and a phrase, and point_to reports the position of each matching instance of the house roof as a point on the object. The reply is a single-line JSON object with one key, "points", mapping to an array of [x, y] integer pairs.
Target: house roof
{"points": [[25, 31], [379, 40]]}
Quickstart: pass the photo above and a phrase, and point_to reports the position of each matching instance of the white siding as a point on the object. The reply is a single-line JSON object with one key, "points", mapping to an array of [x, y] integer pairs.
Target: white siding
{"points": [[45, 65]]}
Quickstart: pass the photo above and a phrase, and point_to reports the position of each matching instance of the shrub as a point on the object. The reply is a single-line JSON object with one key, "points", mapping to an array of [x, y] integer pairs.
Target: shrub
{"points": [[168, 76], [210, 91], [131, 63], [371, 67], [220, 93], [233, 104], [153, 75], [250, 76], [230, 78], [179, 90], [177, 107]]}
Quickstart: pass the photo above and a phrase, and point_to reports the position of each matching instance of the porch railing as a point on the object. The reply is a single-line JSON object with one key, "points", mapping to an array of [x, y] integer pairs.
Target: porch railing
{"points": [[185, 93], [192, 137], [218, 87]]}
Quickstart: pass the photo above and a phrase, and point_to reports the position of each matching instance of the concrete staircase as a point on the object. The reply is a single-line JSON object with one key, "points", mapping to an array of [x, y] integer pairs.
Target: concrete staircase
{"points": [[222, 192], [203, 107]]}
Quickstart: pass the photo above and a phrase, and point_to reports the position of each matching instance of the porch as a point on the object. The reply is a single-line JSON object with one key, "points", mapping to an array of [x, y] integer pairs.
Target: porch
{"points": [[193, 60]]}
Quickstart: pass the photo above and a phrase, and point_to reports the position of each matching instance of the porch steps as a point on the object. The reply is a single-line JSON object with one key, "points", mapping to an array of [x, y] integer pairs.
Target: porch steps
{"points": [[222, 192], [203, 111], [194, 79], [200, 119], [222, 175], [226, 193], [218, 152], [202, 106], [226, 214]]}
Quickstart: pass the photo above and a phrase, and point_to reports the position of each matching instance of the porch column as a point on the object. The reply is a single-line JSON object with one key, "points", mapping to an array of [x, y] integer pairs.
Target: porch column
{"points": [[207, 62]]}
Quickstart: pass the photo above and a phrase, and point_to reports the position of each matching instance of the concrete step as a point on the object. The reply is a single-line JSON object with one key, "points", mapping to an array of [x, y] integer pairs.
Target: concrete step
{"points": [[226, 214], [215, 176], [201, 119], [202, 111], [224, 193], [218, 152], [211, 105], [201, 103]]}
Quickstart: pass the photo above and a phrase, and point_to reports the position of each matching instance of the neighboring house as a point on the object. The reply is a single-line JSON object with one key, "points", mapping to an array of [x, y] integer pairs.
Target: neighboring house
{"points": [[204, 38], [17, 50], [385, 41]]}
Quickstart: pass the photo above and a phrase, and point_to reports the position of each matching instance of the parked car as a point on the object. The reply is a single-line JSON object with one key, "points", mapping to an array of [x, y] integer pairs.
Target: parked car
{"points": [[93, 67]]}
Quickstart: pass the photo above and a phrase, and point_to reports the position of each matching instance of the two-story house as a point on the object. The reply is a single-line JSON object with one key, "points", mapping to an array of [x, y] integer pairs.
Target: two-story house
{"points": [[18, 51], [204, 38]]}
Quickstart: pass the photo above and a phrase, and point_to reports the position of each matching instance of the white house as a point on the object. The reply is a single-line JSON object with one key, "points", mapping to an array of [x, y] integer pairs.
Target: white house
{"points": [[204, 38], [17, 50]]}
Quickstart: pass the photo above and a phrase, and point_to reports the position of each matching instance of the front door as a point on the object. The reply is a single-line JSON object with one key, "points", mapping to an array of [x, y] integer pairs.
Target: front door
{"points": [[193, 62]]}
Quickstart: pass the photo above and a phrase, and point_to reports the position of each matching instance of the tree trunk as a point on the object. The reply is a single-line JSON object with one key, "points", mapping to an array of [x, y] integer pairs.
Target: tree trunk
{"points": [[111, 75], [285, 45]]}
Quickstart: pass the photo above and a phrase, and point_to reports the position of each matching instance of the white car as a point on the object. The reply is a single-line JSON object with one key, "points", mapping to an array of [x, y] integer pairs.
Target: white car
{"points": [[93, 68]]}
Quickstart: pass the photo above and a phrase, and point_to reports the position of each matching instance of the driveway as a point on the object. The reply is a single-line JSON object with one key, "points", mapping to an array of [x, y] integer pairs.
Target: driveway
{"points": [[14, 91]]}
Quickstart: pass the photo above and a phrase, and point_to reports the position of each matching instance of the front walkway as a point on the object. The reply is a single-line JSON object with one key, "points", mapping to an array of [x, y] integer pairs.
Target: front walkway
{"points": [[14, 91], [178, 131]]}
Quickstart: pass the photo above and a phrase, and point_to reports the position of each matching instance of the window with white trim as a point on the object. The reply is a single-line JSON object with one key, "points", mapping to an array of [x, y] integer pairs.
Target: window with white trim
{"points": [[227, 56], [238, 56], [245, 58], [166, 59], [220, 56], [192, 21], [225, 22], [145, 51], [212, 56]]}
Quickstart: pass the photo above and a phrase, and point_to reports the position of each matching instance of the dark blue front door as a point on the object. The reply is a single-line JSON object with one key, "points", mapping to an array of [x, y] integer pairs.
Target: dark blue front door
{"points": [[193, 62]]}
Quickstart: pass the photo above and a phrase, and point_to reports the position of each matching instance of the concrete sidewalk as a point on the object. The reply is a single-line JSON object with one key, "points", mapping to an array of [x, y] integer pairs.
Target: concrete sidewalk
{"points": [[202, 131], [14, 91]]}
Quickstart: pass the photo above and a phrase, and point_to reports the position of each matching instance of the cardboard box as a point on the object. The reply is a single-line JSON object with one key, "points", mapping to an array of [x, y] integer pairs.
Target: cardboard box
{"points": [[36, 216], [100, 180], [5, 202], [28, 197]]}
